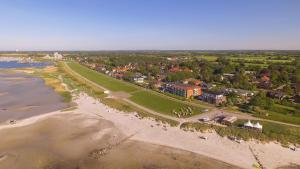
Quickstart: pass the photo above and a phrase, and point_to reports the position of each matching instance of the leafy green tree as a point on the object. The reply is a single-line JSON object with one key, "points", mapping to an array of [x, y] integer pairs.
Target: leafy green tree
{"points": [[128, 76], [288, 90], [206, 74], [262, 100], [173, 77]]}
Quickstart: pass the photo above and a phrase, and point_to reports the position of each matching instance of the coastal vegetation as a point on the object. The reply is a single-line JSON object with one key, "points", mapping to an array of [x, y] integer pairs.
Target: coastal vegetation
{"points": [[51, 78], [271, 131]]}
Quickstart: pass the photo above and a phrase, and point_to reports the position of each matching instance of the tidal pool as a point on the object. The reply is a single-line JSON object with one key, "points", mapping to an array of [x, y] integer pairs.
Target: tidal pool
{"points": [[23, 96], [17, 64]]}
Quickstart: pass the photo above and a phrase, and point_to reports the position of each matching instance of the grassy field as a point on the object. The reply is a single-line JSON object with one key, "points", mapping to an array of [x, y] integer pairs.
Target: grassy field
{"points": [[161, 104], [282, 114], [259, 61], [105, 81], [208, 58], [263, 65], [261, 58]]}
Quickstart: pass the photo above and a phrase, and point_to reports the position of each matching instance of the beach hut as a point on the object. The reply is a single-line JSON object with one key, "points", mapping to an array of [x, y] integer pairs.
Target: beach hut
{"points": [[229, 120], [257, 126], [248, 124]]}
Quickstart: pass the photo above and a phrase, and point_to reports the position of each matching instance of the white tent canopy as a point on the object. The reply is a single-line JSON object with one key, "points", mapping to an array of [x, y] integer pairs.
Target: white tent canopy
{"points": [[257, 125], [248, 124]]}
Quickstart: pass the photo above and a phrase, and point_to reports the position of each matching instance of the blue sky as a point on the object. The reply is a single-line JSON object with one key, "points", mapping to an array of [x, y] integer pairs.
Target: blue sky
{"points": [[149, 24]]}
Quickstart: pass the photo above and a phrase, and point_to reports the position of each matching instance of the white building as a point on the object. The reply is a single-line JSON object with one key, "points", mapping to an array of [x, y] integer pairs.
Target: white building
{"points": [[57, 56], [139, 79]]}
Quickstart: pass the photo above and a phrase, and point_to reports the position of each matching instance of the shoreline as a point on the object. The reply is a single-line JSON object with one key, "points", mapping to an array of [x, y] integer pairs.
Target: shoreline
{"points": [[149, 131]]}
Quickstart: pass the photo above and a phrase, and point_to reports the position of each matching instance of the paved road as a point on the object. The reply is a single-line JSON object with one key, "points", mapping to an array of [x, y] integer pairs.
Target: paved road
{"points": [[212, 113]]}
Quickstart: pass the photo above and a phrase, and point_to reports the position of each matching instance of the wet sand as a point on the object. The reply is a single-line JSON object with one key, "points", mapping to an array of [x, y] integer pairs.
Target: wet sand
{"points": [[23, 96], [69, 140]]}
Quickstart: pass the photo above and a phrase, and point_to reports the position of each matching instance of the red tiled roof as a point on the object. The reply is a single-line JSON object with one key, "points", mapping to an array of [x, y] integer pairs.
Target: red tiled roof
{"points": [[265, 78], [195, 81], [174, 69]]}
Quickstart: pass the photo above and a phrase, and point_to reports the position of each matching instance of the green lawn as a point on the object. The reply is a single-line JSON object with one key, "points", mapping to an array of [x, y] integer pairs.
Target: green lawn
{"points": [[161, 104], [287, 108], [278, 113], [105, 81], [208, 58]]}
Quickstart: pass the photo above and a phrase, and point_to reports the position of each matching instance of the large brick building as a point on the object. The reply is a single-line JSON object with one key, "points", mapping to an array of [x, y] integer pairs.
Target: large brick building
{"points": [[184, 90]]}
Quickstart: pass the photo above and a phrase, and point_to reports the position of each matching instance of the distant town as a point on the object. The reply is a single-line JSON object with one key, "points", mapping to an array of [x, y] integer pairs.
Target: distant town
{"points": [[224, 79]]}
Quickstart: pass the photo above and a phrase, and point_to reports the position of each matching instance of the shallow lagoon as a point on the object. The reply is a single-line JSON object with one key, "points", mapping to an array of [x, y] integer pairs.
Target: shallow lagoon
{"points": [[23, 96], [17, 64]]}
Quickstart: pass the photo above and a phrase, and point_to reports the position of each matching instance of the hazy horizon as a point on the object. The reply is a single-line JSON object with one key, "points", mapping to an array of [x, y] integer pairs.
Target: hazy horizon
{"points": [[149, 25]]}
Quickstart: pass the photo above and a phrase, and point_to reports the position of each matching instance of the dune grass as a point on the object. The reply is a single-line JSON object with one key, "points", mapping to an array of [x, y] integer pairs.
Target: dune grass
{"points": [[271, 131]]}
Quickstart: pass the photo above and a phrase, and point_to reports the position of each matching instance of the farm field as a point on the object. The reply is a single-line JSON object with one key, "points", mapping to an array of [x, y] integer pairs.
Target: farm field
{"points": [[261, 61], [208, 58]]}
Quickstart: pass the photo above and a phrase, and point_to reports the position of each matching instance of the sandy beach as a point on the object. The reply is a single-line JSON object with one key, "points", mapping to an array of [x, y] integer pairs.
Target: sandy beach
{"points": [[144, 130], [78, 138]]}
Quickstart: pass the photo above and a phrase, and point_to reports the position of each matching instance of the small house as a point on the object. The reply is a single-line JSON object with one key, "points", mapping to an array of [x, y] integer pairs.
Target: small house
{"points": [[229, 120]]}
